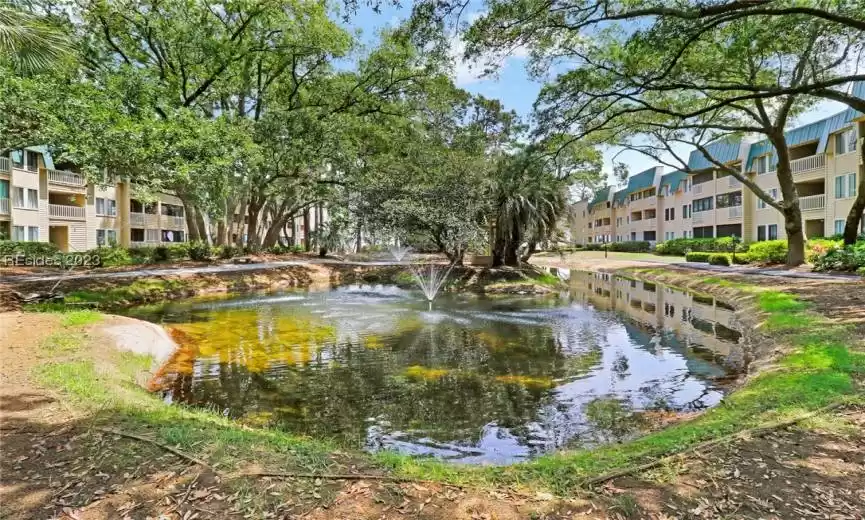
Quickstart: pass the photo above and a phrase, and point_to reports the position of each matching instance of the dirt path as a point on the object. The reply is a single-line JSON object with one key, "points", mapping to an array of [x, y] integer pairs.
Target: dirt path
{"points": [[55, 464]]}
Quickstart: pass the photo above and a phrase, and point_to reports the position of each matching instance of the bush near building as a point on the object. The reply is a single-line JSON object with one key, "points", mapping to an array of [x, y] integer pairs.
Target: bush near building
{"points": [[842, 258], [697, 256], [768, 252], [719, 259], [680, 246], [14, 248]]}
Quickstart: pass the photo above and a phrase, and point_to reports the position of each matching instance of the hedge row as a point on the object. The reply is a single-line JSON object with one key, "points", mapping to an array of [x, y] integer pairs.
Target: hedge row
{"points": [[680, 246]]}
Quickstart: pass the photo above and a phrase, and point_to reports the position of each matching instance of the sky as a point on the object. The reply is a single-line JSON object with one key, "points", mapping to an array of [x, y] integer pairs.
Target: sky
{"points": [[517, 90]]}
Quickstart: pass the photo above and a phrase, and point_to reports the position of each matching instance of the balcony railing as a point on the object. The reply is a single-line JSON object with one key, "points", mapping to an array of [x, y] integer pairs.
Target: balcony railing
{"points": [[698, 188], [734, 212], [5, 164], [4, 206], [170, 221], [734, 182], [812, 202], [698, 217], [61, 211], [136, 219], [66, 178], [805, 164]]}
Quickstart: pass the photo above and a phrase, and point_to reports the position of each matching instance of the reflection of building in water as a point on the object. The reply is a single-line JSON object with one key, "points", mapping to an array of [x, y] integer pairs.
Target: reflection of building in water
{"points": [[700, 320]]}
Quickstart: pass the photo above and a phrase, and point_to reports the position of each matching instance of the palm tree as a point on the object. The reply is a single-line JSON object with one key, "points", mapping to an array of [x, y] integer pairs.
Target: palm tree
{"points": [[529, 202], [28, 42]]}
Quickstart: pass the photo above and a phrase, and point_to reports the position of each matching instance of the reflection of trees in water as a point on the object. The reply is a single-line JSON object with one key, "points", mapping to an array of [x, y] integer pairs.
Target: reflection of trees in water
{"points": [[499, 373]]}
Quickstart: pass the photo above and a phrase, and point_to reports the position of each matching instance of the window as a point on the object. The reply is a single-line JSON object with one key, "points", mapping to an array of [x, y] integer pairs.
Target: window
{"points": [[32, 199], [839, 226], [33, 233], [151, 235], [172, 236], [106, 236], [845, 142], [729, 230], [18, 233], [845, 186], [100, 210], [686, 211], [761, 233], [151, 208], [687, 185], [762, 164], [17, 159], [672, 213], [633, 235], [702, 204], [650, 236], [703, 232], [32, 161], [773, 231], [172, 210], [700, 178], [17, 197], [727, 200], [761, 204]]}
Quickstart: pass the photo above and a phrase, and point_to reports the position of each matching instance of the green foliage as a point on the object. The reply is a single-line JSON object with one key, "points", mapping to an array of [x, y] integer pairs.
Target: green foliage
{"points": [[817, 247], [228, 251], [842, 258], [697, 256], [680, 246], [768, 252], [630, 247], [719, 259], [199, 251], [111, 256], [12, 248], [741, 258]]}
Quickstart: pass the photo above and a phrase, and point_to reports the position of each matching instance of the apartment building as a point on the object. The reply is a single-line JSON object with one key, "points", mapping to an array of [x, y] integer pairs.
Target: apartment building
{"points": [[41, 201], [706, 201]]}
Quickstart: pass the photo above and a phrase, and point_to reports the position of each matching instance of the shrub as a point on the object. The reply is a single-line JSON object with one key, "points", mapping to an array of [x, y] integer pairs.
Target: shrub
{"points": [[697, 256], [680, 246], [141, 255], [160, 254], [199, 251], [769, 251], [178, 251], [112, 256], [817, 247], [849, 258], [741, 258], [228, 251], [719, 259], [635, 246], [278, 249], [13, 248]]}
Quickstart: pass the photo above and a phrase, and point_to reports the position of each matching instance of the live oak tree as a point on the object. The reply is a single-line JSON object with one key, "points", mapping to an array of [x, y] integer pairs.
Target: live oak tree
{"points": [[681, 75]]}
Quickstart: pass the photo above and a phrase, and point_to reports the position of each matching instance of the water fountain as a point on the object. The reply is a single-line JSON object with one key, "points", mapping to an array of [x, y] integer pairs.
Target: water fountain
{"points": [[399, 252], [430, 278]]}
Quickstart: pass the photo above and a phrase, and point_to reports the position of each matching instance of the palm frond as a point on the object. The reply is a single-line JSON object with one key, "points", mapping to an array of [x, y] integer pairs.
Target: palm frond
{"points": [[28, 42]]}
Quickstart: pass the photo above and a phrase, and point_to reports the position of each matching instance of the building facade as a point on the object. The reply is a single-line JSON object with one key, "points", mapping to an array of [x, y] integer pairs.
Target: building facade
{"points": [[44, 202], [706, 201]]}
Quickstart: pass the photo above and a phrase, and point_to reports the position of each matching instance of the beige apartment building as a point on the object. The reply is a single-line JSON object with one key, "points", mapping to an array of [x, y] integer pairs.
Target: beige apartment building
{"points": [[707, 202], [44, 202]]}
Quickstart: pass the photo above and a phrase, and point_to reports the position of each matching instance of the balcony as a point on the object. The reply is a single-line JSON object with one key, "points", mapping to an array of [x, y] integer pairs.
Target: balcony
{"points": [[136, 219], [5, 165], [66, 212], [65, 178], [698, 188], [4, 206], [734, 212], [806, 164], [172, 222], [734, 182], [812, 202], [699, 217]]}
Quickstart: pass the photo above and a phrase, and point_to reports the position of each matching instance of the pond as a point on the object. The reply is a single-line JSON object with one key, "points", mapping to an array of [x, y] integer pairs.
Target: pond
{"points": [[470, 379]]}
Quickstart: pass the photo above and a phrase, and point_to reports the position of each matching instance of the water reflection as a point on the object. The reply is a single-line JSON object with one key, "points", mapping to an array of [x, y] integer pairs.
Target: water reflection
{"points": [[472, 380]]}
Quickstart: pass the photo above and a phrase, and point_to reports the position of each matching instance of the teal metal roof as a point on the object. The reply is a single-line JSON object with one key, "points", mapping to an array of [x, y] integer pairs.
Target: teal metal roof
{"points": [[602, 195], [817, 131], [672, 180], [723, 151], [46, 155], [641, 181], [620, 196]]}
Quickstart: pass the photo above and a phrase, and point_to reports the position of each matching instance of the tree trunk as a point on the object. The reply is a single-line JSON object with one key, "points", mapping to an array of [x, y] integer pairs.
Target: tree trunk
{"points": [[203, 234], [358, 237], [530, 250], [221, 232], [252, 238], [852, 226], [306, 243], [791, 211]]}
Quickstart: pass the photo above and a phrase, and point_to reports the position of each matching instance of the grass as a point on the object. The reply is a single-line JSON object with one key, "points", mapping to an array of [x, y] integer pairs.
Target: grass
{"points": [[579, 256], [819, 369]]}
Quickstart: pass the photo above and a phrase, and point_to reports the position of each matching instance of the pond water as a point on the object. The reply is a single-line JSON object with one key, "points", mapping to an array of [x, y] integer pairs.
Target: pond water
{"points": [[471, 379]]}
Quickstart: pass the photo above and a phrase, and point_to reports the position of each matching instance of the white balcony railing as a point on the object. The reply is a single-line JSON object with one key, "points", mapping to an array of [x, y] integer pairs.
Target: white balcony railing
{"points": [[734, 212], [4, 206], [698, 188], [136, 219], [61, 211], [698, 217], [805, 164], [734, 182], [650, 222], [812, 202], [66, 178], [5, 164]]}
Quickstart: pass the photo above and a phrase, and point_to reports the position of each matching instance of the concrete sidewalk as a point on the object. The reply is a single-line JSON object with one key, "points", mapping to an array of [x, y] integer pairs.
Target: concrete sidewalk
{"points": [[768, 271]]}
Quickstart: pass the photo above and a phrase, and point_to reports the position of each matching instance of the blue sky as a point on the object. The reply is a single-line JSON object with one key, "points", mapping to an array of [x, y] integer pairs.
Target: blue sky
{"points": [[513, 86]]}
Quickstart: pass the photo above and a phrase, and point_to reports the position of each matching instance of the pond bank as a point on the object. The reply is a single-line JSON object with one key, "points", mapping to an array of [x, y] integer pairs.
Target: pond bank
{"points": [[819, 361]]}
